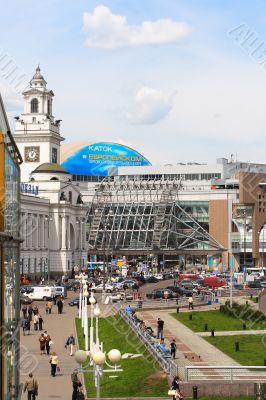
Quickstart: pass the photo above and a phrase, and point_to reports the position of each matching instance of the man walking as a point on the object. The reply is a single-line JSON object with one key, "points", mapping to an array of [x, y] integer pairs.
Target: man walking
{"points": [[76, 384], [35, 321], [160, 324], [31, 386], [70, 342], [173, 348], [190, 303]]}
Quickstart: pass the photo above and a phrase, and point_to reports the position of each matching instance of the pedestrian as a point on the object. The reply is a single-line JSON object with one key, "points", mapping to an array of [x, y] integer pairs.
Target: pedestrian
{"points": [[48, 344], [46, 308], [41, 321], [35, 310], [35, 321], [174, 282], [54, 363], [50, 306], [70, 342], [173, 348], [76, 384], [190, 303], [31, 385], [160, 324], [175, 386], [28, 322], [129, 310], [42, 341], [24, 325], [24, 311], [30, 311], [59, 306]]}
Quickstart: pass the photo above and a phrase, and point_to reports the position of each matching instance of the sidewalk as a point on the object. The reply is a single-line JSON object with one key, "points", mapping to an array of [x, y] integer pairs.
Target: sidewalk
{"points": [[233, 333], [192, 350], [59, 326]]}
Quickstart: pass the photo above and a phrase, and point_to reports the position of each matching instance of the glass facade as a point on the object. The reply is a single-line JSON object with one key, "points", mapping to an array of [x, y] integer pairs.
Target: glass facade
{"points": [[129, 217], [9, 262]]}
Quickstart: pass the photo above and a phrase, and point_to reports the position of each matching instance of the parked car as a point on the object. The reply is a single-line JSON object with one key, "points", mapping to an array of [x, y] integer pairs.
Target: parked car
{"points": [[42, 293], [26, 289], [159, 277], [181, 291], [254, 285], [151, 279], [99, 288], [75, 301], [161, 294], [167, 275], [128, 283], [60, 291], [25, 299]]}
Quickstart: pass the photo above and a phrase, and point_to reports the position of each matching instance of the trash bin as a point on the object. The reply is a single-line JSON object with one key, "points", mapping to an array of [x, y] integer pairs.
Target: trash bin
{"points": [[216, 300], [212, 332], [209, 302], [177, 309], [259, 390]]}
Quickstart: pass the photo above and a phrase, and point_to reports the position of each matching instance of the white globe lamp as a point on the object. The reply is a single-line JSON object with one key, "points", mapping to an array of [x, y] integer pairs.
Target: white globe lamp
{"points": [[92, 300], [97, 312], [98, 357], [114, 356], [80, 356]]}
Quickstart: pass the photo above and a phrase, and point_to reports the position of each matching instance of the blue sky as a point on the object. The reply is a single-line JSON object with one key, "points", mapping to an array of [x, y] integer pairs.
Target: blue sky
{"points": [[163, 76]]}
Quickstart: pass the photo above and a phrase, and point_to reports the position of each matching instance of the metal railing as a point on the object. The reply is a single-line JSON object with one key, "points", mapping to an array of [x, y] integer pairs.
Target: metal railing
{"points": [[170, 303], [225, 373], [167, 364]]}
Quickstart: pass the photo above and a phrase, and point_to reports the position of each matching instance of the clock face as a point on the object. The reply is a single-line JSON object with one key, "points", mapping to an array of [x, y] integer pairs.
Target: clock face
{"points": [[32, 154]]}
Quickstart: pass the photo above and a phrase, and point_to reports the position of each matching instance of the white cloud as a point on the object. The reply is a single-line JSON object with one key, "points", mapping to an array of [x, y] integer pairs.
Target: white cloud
{"points": [[108, 30], [149, 106]]}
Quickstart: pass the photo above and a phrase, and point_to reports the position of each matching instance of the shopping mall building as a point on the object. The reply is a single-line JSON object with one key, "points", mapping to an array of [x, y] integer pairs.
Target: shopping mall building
{"points": [[85, 200], [10, 160]]}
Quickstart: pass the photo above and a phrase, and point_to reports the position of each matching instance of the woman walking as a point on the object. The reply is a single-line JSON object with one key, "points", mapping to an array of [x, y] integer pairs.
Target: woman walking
{"points": [[41, 321], [42, 344], [54, 363]]}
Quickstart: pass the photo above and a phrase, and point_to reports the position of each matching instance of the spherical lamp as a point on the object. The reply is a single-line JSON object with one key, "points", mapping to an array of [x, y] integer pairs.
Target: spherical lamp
{"points": [[86, 293], [80, 356], [83, 281], [114, 356], [98, 358], [97, 312], [92, 300]]}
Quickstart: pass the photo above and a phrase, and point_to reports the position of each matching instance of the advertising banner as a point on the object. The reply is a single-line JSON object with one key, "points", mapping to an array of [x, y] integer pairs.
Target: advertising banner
{"points": [[98, 158]]}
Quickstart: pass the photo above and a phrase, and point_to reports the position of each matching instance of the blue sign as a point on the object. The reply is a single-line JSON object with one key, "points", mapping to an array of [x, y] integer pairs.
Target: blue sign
{"points": [[97, 159], [27, 188]]}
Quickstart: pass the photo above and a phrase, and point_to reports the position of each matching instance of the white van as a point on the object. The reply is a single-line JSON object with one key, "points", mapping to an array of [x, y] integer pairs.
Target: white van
{"points": [[42, 292]]}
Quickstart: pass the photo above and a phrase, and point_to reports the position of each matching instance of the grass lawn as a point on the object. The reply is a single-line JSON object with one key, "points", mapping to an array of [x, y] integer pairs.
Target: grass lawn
{"points": [[252, 348], [141, 376], [215, 320]]}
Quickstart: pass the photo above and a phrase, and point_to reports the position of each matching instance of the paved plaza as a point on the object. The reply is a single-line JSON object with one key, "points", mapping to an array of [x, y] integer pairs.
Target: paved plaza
{"points": [[59, 326]]}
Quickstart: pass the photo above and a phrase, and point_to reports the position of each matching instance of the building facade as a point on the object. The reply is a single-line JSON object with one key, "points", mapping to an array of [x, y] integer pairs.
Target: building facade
{"points": [[10, 160]]}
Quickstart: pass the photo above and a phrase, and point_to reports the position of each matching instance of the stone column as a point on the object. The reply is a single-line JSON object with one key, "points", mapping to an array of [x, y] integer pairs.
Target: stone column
{"points": [[84, 234], [64, 231], [68, 232], [30, 231], [43, 232]]}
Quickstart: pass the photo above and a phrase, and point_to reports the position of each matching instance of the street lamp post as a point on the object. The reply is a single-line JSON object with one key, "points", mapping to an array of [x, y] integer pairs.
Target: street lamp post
{"points": [[96, 355], [105, 249]]}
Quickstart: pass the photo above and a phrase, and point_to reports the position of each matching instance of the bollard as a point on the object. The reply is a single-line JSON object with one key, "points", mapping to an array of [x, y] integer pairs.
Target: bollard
{"points": [[236, 346], [176, 302], [244, 326], [259, 390], [195, 392], [257, 299], [264, 362], [212, 332], [140, 304], [246, 303], [177, 309], [251, 296], [190, 317], [206, 327]]}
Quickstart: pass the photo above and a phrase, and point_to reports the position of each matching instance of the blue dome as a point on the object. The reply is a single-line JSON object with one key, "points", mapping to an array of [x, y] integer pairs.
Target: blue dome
{"points": [[98, 158]]}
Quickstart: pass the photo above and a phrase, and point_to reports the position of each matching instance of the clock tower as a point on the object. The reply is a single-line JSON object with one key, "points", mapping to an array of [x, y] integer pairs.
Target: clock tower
{"points": [[37, 133]]}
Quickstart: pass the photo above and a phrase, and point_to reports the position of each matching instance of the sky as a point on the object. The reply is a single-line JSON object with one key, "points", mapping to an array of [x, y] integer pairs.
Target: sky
{"points": [[178, 80]]}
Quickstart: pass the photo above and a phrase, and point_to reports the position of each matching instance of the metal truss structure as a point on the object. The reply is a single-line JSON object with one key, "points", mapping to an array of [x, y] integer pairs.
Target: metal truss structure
{"points": [[147, 215]]}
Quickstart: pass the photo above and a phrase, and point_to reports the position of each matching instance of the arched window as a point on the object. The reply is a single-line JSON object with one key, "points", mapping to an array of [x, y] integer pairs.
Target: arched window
{"points": [[34, 105], [48, 107]]}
